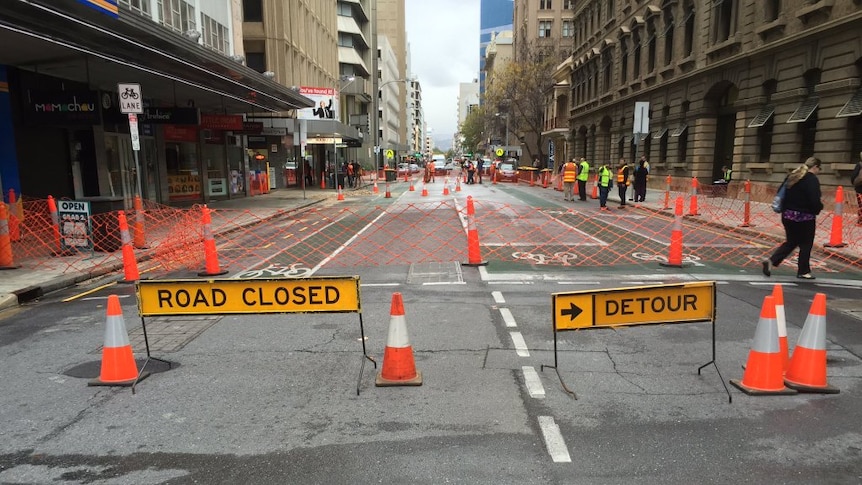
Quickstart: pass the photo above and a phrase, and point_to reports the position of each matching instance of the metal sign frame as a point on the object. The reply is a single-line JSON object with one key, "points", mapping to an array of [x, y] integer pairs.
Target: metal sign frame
{"points": [[575, 311], [344, 282]]}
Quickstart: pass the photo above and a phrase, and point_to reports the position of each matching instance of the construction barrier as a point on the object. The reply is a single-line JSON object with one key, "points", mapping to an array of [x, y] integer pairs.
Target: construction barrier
{"points": [[474, 256], [140, 235], [746, 206], [836, 235], [210, 253], [692, 205], [674, 257]]}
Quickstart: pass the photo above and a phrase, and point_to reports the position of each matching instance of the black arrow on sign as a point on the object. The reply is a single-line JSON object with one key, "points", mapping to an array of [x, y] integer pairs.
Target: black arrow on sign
{"points": [[572, 312]]}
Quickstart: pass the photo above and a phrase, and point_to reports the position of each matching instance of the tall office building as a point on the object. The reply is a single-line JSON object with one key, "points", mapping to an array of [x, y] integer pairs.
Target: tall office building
{"points": [[495, 16], [355, 69], [391, 23]]}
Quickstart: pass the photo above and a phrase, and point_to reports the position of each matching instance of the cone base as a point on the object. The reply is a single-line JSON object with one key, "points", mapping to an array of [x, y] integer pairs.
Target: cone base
{"points": [[383, 382], [757, 392], [669, 265], [9, 267], [204, 273], [827, 389], [127, 383], [480, 263], [839, 245]]}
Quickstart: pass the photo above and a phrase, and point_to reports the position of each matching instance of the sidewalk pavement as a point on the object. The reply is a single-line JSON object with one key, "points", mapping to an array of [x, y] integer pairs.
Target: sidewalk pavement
{"points": [[25, 284], [22, 285]]}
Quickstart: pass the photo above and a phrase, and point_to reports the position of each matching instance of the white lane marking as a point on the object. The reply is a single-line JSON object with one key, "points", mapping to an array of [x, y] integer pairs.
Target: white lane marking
{"points": [[498, 297], [554, 440], [534, 384], [765, 283], [445, 283], [508, 317], [578, 283], [102, 297], [346, 244], [520, 344], [510, 282], [844, 287], [380, 284]]}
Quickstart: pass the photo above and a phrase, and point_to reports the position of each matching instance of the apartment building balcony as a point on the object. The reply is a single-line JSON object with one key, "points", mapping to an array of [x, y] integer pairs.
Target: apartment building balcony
{"points": [[558, 125]]}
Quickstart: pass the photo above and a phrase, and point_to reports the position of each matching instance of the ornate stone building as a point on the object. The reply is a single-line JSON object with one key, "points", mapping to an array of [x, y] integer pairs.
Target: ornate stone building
{"points": [[757, 85]]}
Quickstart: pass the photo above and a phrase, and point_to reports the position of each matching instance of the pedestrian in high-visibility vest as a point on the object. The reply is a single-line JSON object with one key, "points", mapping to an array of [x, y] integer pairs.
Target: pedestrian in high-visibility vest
{"points": [[583, 176], [622, 181], [570, 174], [605, 183]]}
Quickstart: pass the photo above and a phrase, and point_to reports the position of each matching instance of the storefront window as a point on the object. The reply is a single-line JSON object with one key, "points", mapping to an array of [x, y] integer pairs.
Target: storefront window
{"points": [[236, 168], [181, 162], [214, 159]]}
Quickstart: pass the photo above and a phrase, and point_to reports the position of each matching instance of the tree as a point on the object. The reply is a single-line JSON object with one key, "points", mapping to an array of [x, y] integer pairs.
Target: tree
{"points": [[518, 91], [473, 130]]}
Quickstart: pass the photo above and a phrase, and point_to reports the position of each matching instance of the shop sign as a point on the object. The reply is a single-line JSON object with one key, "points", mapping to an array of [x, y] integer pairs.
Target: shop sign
{"points": [[75, 229], [184, 186], [221, 122], [274, 131], [180, 133], [257, 142], [250, 128], [64, 107], [171, 116], [323, 141]]}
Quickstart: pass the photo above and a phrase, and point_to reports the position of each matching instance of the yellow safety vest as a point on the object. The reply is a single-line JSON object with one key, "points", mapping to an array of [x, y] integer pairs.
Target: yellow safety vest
{"points": [[585, 171], [604, 177]]}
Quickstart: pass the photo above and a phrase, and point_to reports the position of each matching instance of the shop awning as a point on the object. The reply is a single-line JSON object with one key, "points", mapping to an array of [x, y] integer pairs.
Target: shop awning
{"points": [[66, 39]]}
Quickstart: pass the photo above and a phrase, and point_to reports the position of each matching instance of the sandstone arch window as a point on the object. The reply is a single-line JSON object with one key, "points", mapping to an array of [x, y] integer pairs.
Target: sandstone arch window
{"points": [[624, 61], [771, 9], [610, 9], [651, 44], [724, 20], [636, 53], [806, 115], [607, 69], [668, 36]]}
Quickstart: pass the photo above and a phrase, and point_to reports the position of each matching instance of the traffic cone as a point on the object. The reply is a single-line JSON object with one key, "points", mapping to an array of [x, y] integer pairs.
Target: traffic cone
{"points": [[778, 296], [210, 253], [140, 235], [595, 193], [388, 194], [474, 256], [323, 180], [55, 226], [807, 369], [446, 186], [412, 189], [375, 190], [424, 190], [14, 218], [666, 193], [544, 180], [836, 238], [692, 207], [399, 367], [118, 362], [340, 194], [763, 373], [674, 256], [6, 260], [130, 265], [457, 184]]}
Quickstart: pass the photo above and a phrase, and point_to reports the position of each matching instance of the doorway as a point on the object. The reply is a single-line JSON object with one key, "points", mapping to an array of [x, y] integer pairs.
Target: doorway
{"points": [[725, 134]]}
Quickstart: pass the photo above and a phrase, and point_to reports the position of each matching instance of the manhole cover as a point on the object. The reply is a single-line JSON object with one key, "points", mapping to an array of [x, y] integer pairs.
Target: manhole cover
{"points": [[435, 272]]}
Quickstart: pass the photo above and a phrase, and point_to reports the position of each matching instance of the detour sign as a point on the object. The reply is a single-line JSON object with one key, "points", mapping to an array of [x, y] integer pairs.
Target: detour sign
{"points": [[209, 297], [674, 303]]}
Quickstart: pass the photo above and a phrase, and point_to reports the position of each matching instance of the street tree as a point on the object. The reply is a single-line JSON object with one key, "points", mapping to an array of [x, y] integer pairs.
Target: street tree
{"points": [[473, 130]]}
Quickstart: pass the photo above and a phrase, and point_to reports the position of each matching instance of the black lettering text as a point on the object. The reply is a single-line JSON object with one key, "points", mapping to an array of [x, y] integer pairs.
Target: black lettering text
{"points": [[282, 296], [165, 299], [332, 295], [690, 301], [670, 303], [611, 307], [245, 295], [299, 296], [219, 297], [183, 298], [657, 305], [262, 301], [625, 307], [314, 295], [200, 298]]}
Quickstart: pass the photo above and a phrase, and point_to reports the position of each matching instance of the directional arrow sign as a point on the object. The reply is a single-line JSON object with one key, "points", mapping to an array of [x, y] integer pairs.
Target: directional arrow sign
{"points": [[674, 303]]}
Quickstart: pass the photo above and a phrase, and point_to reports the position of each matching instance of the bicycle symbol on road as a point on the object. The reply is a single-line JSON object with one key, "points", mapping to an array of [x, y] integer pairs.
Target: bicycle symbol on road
{"points": [[295, 270], [686, 258], [129, 93], [561, 257]]}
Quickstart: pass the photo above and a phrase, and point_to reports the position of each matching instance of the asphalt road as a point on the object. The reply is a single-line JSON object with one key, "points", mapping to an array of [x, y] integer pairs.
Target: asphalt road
{"points": [[272, 398]]}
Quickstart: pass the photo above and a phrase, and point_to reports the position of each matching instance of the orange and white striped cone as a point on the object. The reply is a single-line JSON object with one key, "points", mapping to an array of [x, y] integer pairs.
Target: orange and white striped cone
{"points": [[412, 188], [807, 369], [14, 217], [210, 253], [130, 265], [457, 184], [764, 373], [118, 362], [446, 186], [375, 190], [780, 318], [692, 206], [746, 205], [424, 190], [388, 194], [55, 226], [6, 259], [595, 193], [340, 194], [140, 239], [399, 367], [474, 255], [666, 193], [836, 237], [674, 256]]}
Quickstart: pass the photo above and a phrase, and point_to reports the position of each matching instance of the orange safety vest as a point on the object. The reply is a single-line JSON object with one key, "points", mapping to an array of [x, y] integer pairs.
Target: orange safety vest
{"points": [[621, 177], [570, 172]]}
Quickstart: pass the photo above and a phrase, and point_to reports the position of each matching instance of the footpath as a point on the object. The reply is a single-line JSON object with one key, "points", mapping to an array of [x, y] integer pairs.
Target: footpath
{"points": [[24, 284]]}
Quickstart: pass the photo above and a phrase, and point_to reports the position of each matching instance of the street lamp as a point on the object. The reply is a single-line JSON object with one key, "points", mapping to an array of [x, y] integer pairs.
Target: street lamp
{"points": [[376, 114]]}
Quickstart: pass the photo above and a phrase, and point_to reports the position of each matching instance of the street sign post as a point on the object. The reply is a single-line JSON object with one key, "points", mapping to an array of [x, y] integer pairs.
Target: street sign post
{"points": [[132, 104]]}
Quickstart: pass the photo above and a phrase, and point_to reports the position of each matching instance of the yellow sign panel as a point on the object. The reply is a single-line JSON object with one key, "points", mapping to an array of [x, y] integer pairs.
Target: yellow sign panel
{"points": [[499, 152], [216, 297], [390, 154], [675, 303]]}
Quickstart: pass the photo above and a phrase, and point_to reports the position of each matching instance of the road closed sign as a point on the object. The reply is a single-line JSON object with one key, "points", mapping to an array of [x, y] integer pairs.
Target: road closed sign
{"points": [[674, 303], [216, 297]]}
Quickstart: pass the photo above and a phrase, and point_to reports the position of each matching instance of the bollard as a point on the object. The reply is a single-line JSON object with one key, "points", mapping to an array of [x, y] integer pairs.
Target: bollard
{"points": [[746, 207], [674, 257], [210, 253], [836, 238], [474, 256], [130, 266], [6, 261], [692, 208], [667, 181], [140, 236]]}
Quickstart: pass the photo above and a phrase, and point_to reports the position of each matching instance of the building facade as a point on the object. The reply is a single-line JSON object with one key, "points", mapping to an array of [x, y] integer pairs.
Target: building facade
{"points": [[392, 24], [416, 117], [495, 16], [355, 69], [758, 87], [390, 108]]}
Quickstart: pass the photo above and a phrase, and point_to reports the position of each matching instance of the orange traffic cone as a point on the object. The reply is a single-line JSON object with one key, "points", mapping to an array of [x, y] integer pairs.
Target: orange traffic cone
{"points": [[210, 253], [778, 296], [692, 207], [412, 188], [375, 190], [130, 265], [399, 368], [118, 362], [446, 186], [140, 235], [388, 194], [424, 190], [14, 217], [457, 184], [674, 256], [340, 194], [474, 256], [6, 260], [763, 372], [807, 369], [595, 193], [836, 237]]}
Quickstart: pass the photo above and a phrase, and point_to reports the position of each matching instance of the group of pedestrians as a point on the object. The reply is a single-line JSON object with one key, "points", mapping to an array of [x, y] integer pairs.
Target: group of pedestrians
{"points": [[579, 172]]}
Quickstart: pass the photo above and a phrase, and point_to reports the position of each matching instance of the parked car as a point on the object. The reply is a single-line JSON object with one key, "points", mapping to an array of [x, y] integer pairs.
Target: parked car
{"points": [[408, 167], [506, 172]]}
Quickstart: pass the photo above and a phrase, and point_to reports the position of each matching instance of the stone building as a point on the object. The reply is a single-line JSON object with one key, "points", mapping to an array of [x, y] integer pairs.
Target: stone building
{"points": [[760, 86]]}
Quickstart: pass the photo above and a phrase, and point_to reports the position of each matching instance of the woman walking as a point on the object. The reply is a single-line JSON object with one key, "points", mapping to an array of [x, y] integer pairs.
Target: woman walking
{"points": [[799, 216]]}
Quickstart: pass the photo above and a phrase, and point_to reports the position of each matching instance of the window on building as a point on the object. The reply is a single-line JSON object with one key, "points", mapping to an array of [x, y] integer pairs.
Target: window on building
{"points": [[624, 61], [141, 7], [545, 4], [806, 115], [568, 4], [855, 129], [682, 147], [636, 54], [651, 41], [668, 36], [688, 21], [771, 9], [621, 147], [256, 61], [764, 140], [610, 9], [345, 9], [724, 23], [345, 40], [607, 69], [545, 28], [764, 121], [568, 28], [215, 35], [177, 15], [646, 146], [252, 10], [662, 146]]}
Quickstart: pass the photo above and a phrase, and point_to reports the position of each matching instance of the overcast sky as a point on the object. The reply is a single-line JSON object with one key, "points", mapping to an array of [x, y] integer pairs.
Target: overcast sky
{"points": [[444, 49]]}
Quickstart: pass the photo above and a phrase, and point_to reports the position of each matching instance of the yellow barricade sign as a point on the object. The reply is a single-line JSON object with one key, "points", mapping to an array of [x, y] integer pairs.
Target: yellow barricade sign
{"points": [[674, 303], [210, 297]]}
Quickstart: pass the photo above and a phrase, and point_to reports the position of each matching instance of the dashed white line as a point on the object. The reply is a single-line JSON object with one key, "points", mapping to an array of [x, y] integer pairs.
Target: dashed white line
{"points": [[554, 440], [520, 344], [498, 297], [508, 318], [379, 284], [534, 384]]}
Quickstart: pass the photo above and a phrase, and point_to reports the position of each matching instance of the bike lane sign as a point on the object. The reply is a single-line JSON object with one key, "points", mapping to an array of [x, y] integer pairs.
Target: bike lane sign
{"points": [[131, 100]]}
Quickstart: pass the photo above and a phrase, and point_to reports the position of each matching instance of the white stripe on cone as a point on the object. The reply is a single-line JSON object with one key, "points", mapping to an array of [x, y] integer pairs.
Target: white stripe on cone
{"points": [[398, 332], [115, 332]]}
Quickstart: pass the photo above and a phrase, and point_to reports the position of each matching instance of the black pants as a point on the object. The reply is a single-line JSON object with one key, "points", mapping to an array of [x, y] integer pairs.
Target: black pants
{"points": [[622, 191], [582, 189], [798, 234]]}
